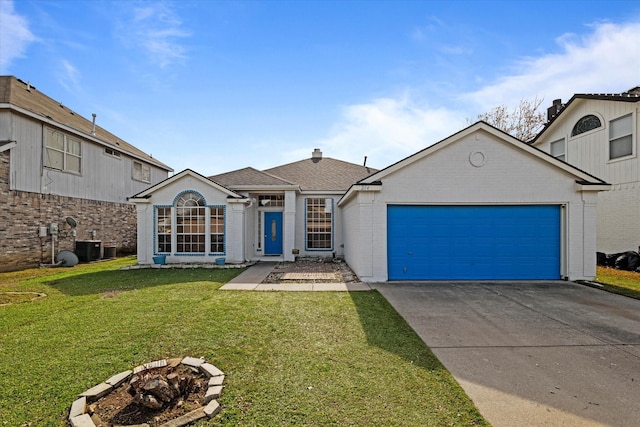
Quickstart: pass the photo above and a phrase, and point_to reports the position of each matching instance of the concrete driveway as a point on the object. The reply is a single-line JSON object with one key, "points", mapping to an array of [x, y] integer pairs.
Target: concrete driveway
{"points": [[532, 353]]}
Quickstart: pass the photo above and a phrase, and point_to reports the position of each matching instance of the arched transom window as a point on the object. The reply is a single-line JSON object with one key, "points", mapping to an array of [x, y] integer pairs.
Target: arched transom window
{"points": [[585, 124]]}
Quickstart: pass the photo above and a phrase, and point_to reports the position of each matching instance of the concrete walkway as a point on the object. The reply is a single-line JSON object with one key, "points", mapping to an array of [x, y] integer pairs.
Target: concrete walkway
{"points": [[251, 280]]}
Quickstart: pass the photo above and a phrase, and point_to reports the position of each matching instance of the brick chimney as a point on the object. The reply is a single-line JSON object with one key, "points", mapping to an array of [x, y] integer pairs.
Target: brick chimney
{"points": [[317, 154], [554, 109]]}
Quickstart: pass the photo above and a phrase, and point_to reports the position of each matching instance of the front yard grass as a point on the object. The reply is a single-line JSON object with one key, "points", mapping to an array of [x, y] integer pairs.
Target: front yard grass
{"points": [[619, 281], [291, 358]]}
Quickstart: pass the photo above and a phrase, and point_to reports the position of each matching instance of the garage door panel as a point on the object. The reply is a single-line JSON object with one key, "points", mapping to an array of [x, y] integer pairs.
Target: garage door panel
{"points": [[473, 242]]}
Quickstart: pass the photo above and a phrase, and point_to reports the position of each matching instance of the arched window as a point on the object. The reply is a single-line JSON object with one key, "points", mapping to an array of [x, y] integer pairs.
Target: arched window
{"points": [[190, 223], [585, 124]]}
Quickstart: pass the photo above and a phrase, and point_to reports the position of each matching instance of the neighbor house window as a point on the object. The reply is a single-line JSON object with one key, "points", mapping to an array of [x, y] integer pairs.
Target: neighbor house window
{"points": [[62, 152], [163, 229], [141, 172], [217, 229], [620, 137], [558, 149], [190, 224], [585, 124], [319, 222], [111, 152]]}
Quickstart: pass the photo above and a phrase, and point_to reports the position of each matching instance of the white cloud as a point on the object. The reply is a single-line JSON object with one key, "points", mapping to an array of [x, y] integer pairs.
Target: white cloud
{"points": [[157, 30], [15, 35], [605, 60], [69, 76], [386, 130], [389, 129]]}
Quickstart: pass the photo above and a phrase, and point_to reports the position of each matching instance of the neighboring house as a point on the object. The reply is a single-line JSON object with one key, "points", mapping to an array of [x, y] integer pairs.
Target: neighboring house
{"points": [[247, 214], [598, 133], [54, 165], [477, 205]]}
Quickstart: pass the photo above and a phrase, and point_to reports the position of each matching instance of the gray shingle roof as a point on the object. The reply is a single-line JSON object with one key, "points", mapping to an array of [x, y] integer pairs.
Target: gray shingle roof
{"points": [[20, 94], [313, 174], [247, 176]]}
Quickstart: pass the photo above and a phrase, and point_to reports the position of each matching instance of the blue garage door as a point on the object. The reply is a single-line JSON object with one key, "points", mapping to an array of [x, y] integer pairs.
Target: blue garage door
{"points": [[473, 242]]}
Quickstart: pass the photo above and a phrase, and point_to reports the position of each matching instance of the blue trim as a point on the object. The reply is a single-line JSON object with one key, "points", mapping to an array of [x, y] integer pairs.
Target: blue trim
{"points": [[175, 200], [306, 243]]}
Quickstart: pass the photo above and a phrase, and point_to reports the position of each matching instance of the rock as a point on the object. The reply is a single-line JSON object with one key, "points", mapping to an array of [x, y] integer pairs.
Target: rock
{"points": [[192, 361], [148, 401], [95, 393], [158, 387], [216, 380], [118, 379], [82, 421], [185, 419], [212, 408], [174, 382], [210, 371], [78, 407]]}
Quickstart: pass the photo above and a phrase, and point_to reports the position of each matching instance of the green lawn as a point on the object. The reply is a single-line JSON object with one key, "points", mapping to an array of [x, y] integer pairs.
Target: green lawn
{"points": [[291, 358], [619, 281]]}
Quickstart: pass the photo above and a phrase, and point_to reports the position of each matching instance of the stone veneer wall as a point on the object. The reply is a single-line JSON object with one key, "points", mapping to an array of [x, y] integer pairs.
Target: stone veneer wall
{"points": [[23, 213]]}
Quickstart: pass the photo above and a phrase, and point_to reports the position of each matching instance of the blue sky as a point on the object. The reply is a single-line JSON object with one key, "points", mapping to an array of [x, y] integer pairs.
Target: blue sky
{"points": [[220, 85]]}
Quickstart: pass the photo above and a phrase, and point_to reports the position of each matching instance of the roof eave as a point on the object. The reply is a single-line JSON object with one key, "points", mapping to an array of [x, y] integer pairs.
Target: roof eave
{"points": [[84, 135], [263, 188], [591, 186], [357, 188]]}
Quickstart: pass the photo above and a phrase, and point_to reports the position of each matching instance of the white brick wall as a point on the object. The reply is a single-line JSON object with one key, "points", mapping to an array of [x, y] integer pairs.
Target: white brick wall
{"points": [[619, 218], [509, 175]]}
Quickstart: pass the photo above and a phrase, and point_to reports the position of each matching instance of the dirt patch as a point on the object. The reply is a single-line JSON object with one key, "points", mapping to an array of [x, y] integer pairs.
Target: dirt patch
{"points": [[312, 270], [7, 298], [119, 407]]}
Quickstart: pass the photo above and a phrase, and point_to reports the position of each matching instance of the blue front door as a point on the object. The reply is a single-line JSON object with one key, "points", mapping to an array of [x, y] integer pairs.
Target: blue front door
{"points": [[273, 233]]}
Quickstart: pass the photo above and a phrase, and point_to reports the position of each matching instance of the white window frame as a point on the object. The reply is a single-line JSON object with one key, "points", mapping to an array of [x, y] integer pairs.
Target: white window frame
{"points": [[66, 151], [163, 229], [622, 135], [207, 224], [561, 154], [111, 152], [141, 172], [316, 211]]}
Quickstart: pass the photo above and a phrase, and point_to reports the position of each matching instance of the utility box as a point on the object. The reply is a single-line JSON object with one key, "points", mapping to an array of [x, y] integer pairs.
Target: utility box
{"points": [[108, 252], [88, 250]]}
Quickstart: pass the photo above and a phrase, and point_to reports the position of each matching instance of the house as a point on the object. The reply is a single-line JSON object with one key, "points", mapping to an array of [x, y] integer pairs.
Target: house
{"points": [[479, 204], [64, 180], [247, 214], [598, 133]]}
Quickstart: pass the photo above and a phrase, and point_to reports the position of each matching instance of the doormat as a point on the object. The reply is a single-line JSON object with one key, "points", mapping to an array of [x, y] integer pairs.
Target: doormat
{"points": [[308, 276]]}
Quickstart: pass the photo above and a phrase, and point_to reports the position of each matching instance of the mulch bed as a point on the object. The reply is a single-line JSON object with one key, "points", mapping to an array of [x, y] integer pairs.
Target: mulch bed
{"points": [[341, 271], [117, 407]]}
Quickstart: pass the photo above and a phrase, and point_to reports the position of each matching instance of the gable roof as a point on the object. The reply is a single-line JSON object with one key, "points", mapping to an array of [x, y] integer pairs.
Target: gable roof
{"points": [[25, 98], [143, 196], [313, 174], [631, 95], [583, 179]]}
